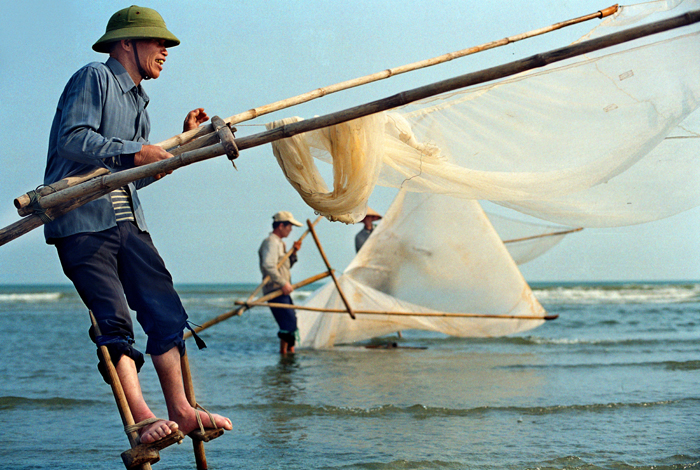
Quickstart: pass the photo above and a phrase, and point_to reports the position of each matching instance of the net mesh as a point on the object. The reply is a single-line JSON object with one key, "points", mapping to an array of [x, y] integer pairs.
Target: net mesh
{"points": [[407, 266], [606, 139]]}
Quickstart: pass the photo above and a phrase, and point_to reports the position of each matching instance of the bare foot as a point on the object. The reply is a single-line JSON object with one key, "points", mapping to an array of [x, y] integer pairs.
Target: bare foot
{"points": [[187, 419], [157, 430]]}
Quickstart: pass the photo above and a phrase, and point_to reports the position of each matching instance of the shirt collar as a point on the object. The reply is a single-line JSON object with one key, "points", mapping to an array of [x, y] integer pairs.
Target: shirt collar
{"points": [[124, 79]]}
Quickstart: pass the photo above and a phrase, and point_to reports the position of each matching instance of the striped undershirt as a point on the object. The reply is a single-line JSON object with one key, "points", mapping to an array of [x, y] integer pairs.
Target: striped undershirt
{"points": [[121, 201]]}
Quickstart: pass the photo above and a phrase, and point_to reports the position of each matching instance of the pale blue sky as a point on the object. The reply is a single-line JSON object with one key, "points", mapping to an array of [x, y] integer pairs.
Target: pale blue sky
{"points": [[208, 220]]}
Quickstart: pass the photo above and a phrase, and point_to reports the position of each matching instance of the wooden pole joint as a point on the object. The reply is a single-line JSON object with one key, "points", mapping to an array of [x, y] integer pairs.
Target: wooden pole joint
{"points": [[30, 202], [608, 11], [225, 133]]}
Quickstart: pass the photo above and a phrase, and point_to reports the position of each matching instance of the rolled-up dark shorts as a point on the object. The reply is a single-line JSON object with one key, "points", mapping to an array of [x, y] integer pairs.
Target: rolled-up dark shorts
{"points": [[286, 319], [120, 268]]}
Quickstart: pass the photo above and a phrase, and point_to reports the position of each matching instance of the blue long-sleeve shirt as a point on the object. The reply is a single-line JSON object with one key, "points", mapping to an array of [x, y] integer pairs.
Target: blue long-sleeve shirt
{"points": [[100, 121]]}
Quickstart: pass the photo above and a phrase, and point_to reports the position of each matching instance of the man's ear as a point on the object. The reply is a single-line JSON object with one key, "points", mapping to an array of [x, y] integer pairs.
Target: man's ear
{"points": [[122, 45]]}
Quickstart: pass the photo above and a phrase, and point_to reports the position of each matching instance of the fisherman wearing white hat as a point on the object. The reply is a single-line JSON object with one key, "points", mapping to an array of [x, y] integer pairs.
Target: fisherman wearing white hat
{"points": [[370, 218], [270, 253]]}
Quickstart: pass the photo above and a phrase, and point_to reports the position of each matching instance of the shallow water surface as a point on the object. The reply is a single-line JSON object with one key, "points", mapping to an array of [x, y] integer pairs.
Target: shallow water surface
{"points": [[612, 383]]}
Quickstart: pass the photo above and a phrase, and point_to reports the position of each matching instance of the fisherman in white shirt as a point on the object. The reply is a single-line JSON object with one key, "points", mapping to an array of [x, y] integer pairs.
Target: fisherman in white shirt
{"points": [[271, 251]]}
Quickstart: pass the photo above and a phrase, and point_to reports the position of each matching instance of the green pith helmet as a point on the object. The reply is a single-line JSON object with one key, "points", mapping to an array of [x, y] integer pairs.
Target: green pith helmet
{"points": [[135, 23]]}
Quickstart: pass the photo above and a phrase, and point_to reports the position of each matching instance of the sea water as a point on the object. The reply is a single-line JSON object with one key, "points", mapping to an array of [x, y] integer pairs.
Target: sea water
{"points": [[613, 383]]}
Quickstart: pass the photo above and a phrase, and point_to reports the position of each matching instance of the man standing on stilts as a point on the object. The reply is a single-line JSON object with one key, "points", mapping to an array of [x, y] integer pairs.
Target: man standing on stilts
{"points": [[104, 245]]}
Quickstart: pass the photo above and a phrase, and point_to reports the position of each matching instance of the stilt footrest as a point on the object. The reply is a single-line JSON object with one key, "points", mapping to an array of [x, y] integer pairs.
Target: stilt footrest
{"points": [[149, 453], [207, 435]]}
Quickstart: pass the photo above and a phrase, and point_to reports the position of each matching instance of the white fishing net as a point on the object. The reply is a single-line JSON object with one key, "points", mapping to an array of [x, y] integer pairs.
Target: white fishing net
{"points": [[527, 240], [407, 266], [606, 139]]}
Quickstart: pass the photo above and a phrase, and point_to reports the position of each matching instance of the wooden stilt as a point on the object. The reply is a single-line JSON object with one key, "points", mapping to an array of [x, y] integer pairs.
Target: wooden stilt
{"points": [[198, 438], [140, 455], [330, 270]]}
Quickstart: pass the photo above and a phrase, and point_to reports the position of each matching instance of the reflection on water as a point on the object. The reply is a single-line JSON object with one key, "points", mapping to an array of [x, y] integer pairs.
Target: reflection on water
{"points": [[279, 383], [281, 386]]}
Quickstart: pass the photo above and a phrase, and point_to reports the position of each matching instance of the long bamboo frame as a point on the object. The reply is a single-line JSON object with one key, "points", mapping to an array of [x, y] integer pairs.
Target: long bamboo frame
{"points": [[396, 313], [542, 235], [63, 201], [179, 140], [327, 90], [264, 298], [348, 309]]}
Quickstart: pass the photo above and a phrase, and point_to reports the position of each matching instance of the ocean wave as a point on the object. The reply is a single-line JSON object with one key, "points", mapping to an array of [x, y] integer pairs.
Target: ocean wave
{"points": [[618, 293], [669, 365], [224, 301], [405, 464], [544, 341], [28, 297], [53, 403], [682, 365], [572, 462], [536, 340], [423, 412]]}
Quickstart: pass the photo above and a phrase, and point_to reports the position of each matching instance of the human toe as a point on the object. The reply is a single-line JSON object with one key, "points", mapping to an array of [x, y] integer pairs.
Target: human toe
{"points": [[158, 431]]}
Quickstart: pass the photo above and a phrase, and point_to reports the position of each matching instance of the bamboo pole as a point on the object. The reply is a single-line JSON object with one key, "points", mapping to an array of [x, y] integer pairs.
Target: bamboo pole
{"points": [[286, 256], [115, 383], [330, 270], [118, 391], [542, 235], [264, 298], [97, 187], [320, 92], [305, 282], [198, 446], [140, 455], [405, 314], [24, 200]]}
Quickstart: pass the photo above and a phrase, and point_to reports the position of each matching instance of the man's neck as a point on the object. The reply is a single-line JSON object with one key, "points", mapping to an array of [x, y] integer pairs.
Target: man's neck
{"points": [[129, 63]]}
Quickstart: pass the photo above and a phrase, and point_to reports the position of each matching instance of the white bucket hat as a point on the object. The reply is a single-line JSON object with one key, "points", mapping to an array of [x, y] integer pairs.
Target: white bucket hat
{"points": [[284, 216]]}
